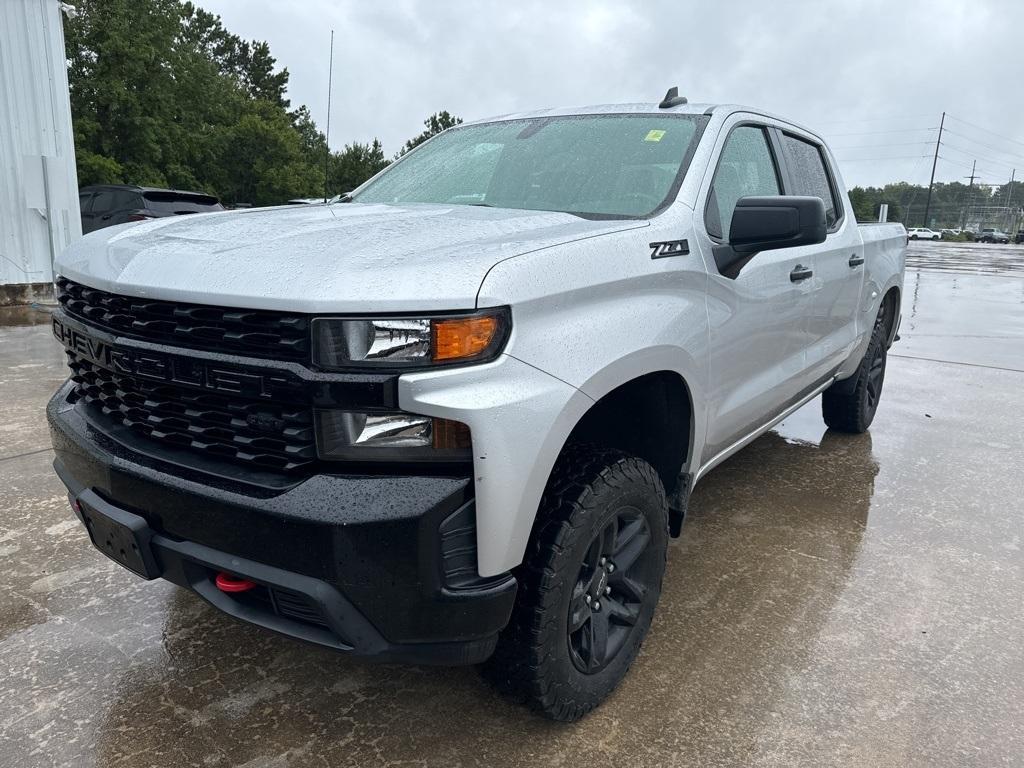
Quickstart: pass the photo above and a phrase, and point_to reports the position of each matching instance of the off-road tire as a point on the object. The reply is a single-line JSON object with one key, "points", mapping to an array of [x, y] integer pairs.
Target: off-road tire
{"points": [[850, 405], [535, 661]]}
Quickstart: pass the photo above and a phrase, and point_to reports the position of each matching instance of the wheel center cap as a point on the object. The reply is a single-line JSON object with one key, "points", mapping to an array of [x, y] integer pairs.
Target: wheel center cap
{"points": [[602, 582]]}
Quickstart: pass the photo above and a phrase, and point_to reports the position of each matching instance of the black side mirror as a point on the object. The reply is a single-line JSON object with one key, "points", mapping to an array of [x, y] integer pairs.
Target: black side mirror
{"points": [[766, 223]]}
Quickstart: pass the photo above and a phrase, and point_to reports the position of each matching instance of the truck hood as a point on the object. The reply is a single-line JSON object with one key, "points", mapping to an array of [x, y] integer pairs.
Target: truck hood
{"points": [[347, 257]]}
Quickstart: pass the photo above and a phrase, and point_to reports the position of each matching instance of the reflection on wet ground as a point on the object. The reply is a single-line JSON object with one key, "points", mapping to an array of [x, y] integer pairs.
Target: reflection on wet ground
{"points": [[834, 600], [12, 317], [966, 258]]}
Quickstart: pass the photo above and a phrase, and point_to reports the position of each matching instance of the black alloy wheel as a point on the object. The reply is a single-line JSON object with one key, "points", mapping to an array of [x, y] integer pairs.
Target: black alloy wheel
{"points": [[589, 583], [609, 591]]}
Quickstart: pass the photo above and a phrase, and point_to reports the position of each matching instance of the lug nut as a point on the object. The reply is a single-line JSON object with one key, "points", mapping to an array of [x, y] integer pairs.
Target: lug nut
{"points": [[597, 606], [603, 561], [607, 590], [611, 567], [587, 598]]}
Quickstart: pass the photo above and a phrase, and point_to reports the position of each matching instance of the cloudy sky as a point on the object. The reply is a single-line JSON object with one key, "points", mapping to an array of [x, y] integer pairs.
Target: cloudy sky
{"points": [[874, 77]]}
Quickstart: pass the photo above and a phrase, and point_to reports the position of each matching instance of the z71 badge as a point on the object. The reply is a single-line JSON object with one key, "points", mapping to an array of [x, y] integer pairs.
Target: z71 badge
{"points": [[668, 248]]}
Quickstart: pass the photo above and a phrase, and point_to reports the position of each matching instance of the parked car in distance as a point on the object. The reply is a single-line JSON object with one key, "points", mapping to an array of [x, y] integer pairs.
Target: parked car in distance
{"points": [[1020, 237], [105, 205], [923, 233], [456, 416], [992, 235]]}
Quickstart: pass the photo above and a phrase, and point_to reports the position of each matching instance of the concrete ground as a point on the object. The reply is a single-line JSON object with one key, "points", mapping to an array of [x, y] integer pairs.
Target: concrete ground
{"points": [[834, 600]]}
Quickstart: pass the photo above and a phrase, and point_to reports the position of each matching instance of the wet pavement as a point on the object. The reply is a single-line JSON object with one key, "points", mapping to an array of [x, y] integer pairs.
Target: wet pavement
{"points": [[834, 600]]}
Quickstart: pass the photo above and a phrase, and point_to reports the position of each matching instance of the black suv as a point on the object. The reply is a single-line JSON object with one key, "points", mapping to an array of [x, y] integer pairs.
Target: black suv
{"points": [[105, 205], [1019, 239]]}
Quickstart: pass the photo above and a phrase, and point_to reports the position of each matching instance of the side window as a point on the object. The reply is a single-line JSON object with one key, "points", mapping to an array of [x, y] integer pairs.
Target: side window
{"points": [[103, 201], [746, 167], [125, 199], [85, 202], [807, 170]]}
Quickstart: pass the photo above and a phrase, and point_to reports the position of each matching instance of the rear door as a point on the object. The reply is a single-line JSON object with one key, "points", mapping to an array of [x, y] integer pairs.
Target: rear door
{"points": [[757, 320], [838, 263]]}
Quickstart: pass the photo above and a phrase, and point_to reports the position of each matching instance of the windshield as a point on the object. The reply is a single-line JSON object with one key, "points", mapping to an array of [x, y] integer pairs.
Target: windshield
{"points": [[598, 165]]}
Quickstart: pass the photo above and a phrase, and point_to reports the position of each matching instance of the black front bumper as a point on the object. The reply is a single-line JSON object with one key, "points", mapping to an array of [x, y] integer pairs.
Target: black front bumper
{"points": [[375, 566]]}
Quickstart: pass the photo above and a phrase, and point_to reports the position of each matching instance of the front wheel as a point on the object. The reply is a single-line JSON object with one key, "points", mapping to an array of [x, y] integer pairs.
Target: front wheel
{"points": [[850, 405], [588, 585]]}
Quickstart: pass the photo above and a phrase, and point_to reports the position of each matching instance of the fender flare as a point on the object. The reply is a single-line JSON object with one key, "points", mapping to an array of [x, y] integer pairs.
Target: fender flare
{"points": [[654, 360]]}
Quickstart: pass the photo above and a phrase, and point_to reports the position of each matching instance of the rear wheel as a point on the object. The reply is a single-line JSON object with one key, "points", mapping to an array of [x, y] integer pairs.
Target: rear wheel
{"points": [[850, 405], [588, 585]]}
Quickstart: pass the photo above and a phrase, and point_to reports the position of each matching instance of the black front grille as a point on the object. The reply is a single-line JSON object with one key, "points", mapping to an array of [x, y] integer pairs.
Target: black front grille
{"points": [[256, 333], [236, 429]]}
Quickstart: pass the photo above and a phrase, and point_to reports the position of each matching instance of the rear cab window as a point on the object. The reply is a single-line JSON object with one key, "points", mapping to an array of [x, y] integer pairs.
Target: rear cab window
{"points": [[809, 176]]}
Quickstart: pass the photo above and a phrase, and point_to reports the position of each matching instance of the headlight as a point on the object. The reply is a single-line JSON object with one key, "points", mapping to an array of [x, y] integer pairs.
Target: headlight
{"points": [[409, 342], [397, 436]]}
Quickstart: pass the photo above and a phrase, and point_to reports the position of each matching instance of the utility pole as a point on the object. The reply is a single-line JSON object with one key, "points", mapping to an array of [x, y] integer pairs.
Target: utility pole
{"points": [[970, 197], [1009, 198], [935, 160], [327, 135]]}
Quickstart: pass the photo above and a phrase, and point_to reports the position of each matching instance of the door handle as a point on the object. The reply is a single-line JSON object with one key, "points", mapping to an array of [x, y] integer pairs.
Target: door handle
{"points": [[800, 272], [856, 261]]}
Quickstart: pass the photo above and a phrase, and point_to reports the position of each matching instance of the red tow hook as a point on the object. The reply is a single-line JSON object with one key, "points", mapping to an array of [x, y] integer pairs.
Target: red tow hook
{"points": [[227, 583]]}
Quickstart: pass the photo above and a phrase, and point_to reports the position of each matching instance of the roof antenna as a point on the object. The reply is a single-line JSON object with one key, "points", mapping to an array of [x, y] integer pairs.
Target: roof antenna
{"points": [[327, 134], [672, 99]]}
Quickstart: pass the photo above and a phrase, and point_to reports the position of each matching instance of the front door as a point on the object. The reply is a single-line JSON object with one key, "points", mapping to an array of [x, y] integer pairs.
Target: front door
{"points": [[757, 320]]}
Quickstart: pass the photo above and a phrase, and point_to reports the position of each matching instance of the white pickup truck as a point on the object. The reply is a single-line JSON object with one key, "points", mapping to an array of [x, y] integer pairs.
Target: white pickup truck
{"points": [[455, 416]]}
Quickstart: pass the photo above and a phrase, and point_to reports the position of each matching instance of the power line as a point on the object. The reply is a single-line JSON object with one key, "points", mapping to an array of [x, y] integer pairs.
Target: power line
{"points": [[876, 159], [987, 146], [883, 146], [872, 119], [981, 171], [986, 130], [976, 156], [878, 133]]}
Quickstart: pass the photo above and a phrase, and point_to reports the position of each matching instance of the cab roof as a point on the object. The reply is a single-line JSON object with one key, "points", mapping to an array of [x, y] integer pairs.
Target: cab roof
{"points": [[651, 108]]}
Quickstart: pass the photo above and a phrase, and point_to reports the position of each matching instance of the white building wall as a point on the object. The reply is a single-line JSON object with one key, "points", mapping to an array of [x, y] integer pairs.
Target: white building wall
{"points": [[39, 213]]}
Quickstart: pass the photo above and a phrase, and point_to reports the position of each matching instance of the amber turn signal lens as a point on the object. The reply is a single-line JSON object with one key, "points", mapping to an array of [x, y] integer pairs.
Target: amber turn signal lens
{"points": [[461, 338], [453, 435]]}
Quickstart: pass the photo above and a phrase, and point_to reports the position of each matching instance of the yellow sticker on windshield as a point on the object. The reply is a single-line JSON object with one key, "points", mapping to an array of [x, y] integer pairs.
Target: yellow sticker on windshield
{"points": [[654, 135]]}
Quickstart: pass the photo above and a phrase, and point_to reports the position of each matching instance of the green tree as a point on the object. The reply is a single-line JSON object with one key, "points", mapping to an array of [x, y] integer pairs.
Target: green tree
{"points": [[437, 122], [160, 90], [354, 165]]}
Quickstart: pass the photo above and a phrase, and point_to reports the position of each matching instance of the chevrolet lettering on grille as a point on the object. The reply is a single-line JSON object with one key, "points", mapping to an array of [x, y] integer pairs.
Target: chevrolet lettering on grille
{"points": [[154, 366]]}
